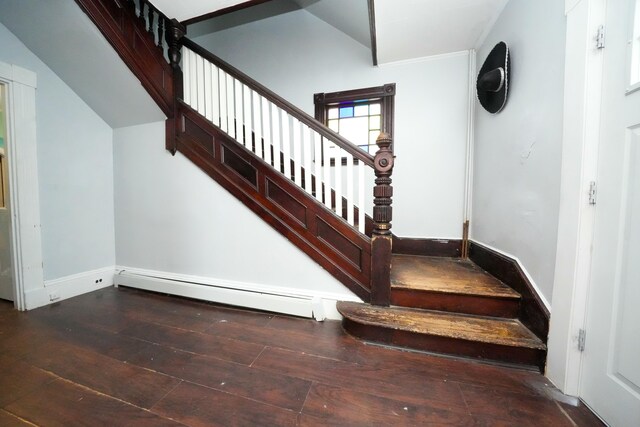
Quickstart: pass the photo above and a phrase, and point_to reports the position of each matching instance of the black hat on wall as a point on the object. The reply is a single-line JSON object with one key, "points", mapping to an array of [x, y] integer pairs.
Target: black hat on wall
{"points": [[492, 86]]}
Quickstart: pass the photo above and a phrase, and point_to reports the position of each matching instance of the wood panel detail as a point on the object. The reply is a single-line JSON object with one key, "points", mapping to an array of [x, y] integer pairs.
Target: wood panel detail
{"points": [[202, 137], [239, 166], [298, 216], [450, 248], [287, 202], [340, 243]]}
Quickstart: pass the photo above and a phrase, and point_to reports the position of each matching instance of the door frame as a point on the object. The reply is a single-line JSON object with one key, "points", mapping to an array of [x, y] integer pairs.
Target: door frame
{"points": [[24, 201], [581, 139]]}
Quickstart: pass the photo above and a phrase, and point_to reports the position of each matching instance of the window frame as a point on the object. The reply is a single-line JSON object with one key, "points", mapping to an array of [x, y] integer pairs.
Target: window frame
{"points": [[385, 93]]}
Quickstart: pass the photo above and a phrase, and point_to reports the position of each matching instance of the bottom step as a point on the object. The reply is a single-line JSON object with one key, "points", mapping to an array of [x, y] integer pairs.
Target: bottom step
{"points": [[488, 338]]}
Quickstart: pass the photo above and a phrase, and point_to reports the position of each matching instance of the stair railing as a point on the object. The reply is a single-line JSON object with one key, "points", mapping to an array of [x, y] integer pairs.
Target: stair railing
{"points": [[321, 177], [284, 136]]}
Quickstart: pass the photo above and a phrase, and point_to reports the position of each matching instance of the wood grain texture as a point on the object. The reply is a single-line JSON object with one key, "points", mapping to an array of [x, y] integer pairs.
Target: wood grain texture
{"points": [[508, 332], [450, 284], [532, 311], [427, 247], [303, 366]]}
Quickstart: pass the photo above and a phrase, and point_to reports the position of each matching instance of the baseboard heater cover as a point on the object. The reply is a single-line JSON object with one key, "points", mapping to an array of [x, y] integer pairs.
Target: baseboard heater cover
{"points": [[296, 305]]}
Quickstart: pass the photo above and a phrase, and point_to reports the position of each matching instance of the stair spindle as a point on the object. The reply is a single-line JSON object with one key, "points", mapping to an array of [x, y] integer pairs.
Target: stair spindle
{"points": [[150, 15], [160, 31]]}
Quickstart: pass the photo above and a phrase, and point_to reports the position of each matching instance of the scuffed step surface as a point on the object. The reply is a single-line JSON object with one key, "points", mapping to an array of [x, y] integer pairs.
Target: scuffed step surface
{"points": [[446, 275], [508, 332]]}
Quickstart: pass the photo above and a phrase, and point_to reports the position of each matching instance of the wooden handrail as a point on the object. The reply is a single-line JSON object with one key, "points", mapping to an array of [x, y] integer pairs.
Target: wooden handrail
{"points": [[305, 118]]}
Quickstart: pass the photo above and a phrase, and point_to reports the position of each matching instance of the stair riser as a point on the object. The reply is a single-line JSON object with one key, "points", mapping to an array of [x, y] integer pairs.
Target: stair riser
{"points": [[456, 303], [447, 345]]}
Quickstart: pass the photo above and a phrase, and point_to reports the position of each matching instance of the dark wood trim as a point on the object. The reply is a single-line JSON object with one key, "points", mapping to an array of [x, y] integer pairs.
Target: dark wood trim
{"points": [[386, 93], [224, 11], [533, 313], [136, 45], [455, 303], [450, 248], [372, 32], [319, 232], [447, 345], [282, 103]]}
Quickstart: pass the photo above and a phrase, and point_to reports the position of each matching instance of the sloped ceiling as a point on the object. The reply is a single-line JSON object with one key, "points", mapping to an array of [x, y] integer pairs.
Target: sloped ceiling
{"points": [[405, 29], [408, 29], [65, 39], [186, 9]]}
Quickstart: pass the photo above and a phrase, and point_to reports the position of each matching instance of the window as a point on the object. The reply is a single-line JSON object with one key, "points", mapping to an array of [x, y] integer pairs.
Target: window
{"points": [[358, 115]]}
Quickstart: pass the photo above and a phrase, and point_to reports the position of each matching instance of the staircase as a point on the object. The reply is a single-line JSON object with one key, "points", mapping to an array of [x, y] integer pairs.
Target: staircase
{"points": [[450, 306], [278, 161]]}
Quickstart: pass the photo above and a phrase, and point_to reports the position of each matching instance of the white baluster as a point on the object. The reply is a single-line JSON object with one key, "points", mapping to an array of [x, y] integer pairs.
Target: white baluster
{"points": [[239, 116], [308, 150], [275, 128], [208, 93], [257, 124], [350, 183], [200, 84], [194, 80], [222, 80], [231, 130], [317, 160], [186, 79], [327, 172], [248, 114], [215, 96], [286, 144], [361, 196], [338, 181], [266, 129], [297, 152]]}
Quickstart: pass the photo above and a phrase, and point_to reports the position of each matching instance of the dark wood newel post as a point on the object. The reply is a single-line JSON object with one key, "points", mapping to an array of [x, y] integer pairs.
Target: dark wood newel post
{"points": [[381, 238], [174, 32]]}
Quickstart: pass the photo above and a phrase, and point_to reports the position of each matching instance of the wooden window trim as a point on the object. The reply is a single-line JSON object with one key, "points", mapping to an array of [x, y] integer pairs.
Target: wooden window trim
{"points": [[386, 93]]}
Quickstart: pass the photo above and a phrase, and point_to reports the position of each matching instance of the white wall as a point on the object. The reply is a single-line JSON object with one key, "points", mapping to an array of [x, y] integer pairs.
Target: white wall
{"points": [[296, 55], [518, 151], [75, 172], [173, 218]]}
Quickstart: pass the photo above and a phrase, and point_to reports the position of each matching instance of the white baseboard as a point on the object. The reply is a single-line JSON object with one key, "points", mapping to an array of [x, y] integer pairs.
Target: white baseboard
{"points": [[297, 302], [69, 286]]}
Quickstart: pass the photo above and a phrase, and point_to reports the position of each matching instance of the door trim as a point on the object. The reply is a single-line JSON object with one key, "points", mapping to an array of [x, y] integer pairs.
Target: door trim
{"points": [[26, 242], [581, 138]]}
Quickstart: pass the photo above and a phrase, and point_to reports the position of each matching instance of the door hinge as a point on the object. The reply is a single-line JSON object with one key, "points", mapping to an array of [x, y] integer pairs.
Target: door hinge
{"points": [[581, 337], [600, 37], [592, 193]]}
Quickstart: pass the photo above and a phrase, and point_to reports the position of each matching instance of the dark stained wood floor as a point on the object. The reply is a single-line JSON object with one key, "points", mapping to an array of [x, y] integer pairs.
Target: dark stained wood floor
{"points": [[124, 357]]}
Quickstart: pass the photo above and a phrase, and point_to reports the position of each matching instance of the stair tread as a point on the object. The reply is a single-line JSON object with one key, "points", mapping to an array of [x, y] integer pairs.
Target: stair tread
{"points": [[508, 332], [450, 275]]}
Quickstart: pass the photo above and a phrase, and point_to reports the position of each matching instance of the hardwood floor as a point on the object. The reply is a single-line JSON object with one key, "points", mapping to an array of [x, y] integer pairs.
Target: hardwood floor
{"points": [[126, 357]]}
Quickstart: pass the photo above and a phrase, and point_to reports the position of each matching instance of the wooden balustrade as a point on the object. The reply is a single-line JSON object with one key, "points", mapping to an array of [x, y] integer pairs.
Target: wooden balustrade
{"points": [[271, 155], [269, 126]]}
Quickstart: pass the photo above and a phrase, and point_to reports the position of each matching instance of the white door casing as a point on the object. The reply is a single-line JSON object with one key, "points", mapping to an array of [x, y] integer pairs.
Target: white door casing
{"points": [[610, 380], [6, 267], [26, 243]]}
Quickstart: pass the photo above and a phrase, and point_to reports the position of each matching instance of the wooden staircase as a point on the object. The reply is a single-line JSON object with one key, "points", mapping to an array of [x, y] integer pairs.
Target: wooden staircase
{"points": [[275, 159], [450, 306]]}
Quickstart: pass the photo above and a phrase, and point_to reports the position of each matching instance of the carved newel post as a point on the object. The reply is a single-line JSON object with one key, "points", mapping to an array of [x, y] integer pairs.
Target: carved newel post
{"points": [[381, 240], [174, 33]]}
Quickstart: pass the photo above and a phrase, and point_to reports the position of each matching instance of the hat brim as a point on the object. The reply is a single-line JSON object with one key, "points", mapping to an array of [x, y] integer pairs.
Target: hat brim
{"points": [[494, 102]]}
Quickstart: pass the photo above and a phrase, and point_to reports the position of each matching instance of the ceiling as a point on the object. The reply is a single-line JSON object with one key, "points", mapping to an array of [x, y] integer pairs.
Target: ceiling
{"points": [[405, 29], [186, 9]]}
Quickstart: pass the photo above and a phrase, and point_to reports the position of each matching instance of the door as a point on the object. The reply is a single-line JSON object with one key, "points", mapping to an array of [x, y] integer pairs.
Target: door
{"points": [[610, 381], [6, 267]]}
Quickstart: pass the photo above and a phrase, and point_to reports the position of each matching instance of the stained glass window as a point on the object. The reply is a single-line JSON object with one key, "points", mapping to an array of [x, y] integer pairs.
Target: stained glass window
{"points": [[358, 115]]}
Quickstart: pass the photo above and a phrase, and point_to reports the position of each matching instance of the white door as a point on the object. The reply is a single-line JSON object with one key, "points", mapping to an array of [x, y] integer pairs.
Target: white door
{"points": [[6, 268], [610, 381]]}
